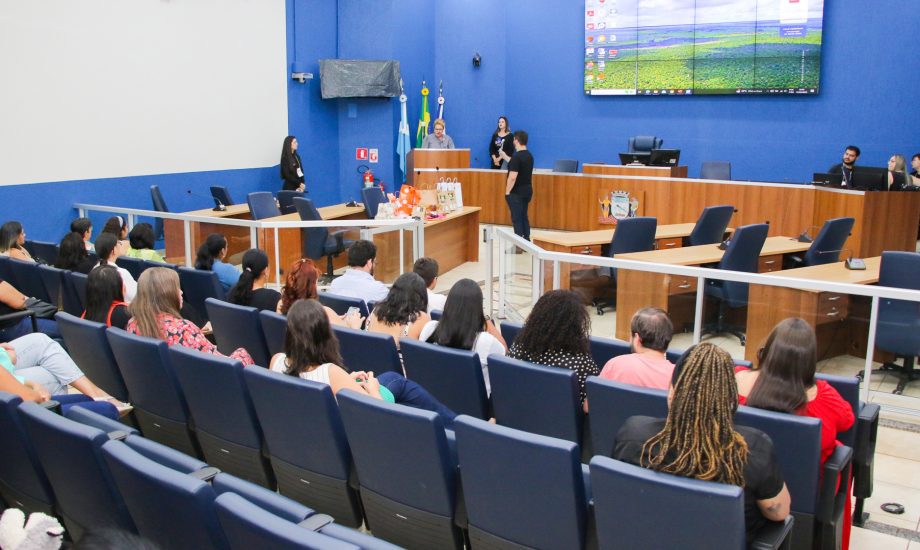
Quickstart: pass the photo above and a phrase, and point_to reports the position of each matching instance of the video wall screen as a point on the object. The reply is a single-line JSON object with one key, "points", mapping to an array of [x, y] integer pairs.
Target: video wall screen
{"points": [[694, 47]]}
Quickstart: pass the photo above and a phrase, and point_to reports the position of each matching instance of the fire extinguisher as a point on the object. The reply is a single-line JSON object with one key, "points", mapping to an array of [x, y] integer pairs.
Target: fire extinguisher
{"points": [[368, 178]]}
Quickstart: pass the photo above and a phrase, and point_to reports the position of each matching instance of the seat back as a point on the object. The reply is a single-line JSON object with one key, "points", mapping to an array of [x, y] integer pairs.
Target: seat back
{"points": [[644, 144], [367, 351], [71, 456], [612, 403], [510, 331], [79, 286], [605, 349], [27, 280], [306, 439], [170, 508], [42, 251], [70, 299], [673, 355], [53, 279], [565, 165], [134, 266], [634, 235], [711, 226], [89, 347], [407, 485], [537, 399], [23, 483], [221, 195], [159, 205], [286, 201], [716, 170], [848, 388], [159, 404], [453, 376], [262, 205], [314, 243], [826, 247], [898, 319], [238, 326], [197, 286], [274, 326], [225, 420], [632, 504], [742, 254], [372, 197], [340, 304]]}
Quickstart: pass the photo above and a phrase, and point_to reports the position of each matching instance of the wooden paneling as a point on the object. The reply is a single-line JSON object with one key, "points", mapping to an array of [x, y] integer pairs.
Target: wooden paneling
{"points": [[631, 170], [435, 158], [889, 222]]}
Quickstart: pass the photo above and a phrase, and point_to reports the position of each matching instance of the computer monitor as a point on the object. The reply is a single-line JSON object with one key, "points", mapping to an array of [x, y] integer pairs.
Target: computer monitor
{"points": [[829, 180], [634, 158], [664, 157], [870, 178]]}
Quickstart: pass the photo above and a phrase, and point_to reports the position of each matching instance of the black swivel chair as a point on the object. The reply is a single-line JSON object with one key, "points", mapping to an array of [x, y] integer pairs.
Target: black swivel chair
{"points": [[742, 254], [899, 321], [710, 228], [565, 166], [159, 205], [826, 247], [318, 241], [372, 198], [221, 195], [286, 201], [631, 235], [644, 144], [716, 170]]}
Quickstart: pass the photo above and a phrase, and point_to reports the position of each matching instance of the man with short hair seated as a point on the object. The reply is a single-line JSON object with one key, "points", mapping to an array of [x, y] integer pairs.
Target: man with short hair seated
{"points": [[428, 268], [358, 280], [647, 365]]}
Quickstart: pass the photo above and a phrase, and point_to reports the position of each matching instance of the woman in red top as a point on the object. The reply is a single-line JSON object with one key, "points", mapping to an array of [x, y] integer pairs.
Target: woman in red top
{"points": [[155, 314], [105, 298], [784, 381]]}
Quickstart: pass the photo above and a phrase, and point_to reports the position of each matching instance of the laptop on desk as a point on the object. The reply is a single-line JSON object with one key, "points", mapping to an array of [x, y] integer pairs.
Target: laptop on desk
{"points": [[827, 180]]}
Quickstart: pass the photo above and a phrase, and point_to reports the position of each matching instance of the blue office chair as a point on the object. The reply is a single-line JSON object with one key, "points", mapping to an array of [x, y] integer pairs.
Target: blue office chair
{"points": [[221, 195], [197, 286], [742, 254], [612, 403], [453, 376], [27, 280], [372, 197], [565, 166], [306, 441], [898, 329], [23, 483], [644, 144], [521, 490], [225, 420], [711, 226], [53, 279], [238, 326], [556, 413], [510, 331], [341, 304], [319, 241], [274, 326], [716, 170], [43, 252], [367, 351], [826, 247], [159, 205], [262, 205], [631, 235], [407, 474], [286, 201], [159, 405], [135, 266], [89, 347]]}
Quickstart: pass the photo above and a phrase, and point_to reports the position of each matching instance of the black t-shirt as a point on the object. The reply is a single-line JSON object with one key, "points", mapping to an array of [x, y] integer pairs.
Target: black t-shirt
{"points": [[265, 298], [762, 476], [505, 144], [522, 163]]}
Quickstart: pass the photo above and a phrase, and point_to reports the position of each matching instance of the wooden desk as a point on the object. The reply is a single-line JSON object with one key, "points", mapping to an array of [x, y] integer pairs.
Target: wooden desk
{"points": [[635, 170], [435, 158], [639, 289], [237, 237], [841, 321]]}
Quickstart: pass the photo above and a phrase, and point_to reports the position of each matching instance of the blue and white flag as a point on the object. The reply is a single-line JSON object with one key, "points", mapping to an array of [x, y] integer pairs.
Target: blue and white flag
{"points": [[403, 145], [441, 101]]}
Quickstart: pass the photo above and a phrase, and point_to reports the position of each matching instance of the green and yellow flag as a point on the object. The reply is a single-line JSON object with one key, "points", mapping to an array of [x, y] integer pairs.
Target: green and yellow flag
{"points": [[424, 118]]}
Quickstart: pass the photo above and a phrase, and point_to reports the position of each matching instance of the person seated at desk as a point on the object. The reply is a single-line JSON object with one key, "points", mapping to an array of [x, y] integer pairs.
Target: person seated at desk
{"points": [[358, 280], [141, 240], [109, 249], [291, 166], [12, 238], [915, 164], [898, 179], [72, 255], [845, 167], [84, 228], [438, 140], [427, 268], [210, 258], [647, 366]]}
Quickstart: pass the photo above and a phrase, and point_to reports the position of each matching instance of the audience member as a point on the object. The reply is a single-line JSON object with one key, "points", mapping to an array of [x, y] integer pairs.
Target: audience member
{"points": [[402, 314], [427, 268], [898, 178], [358, 280], [155, 314], [556, 334], [142, 240], [108, 247], [464, 326], [646, 366], [105, 298], [250, 288], [9, 384], [210, 258], [311, 352], [11, 301], [698, 439], [84, 228], [72, 255], [301, 285], [12, 237], [116, 225]]}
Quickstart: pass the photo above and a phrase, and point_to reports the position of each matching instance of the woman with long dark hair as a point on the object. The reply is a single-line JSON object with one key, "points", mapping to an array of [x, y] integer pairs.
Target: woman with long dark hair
{"points": [[311, 352], [403, 312], [464, 326], [105, 298], [72, 255], [116, 225], [210, 257], [250, 289], [108, 247], [501, 146], [291, 166], [12, 238]]}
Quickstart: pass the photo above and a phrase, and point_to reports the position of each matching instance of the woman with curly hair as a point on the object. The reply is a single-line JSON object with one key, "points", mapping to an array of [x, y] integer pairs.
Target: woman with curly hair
{"points": [[556, 335], [300, 284], [403, 313]]}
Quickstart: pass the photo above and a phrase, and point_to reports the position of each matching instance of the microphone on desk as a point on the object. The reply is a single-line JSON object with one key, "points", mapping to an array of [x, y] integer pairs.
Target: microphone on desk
{"points": [[851, 262], [219, 206], [805, 237]]}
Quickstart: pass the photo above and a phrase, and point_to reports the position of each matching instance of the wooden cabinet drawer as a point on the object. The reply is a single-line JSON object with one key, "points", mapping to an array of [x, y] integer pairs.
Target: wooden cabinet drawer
{"points": [[832, 306], [766, 264], [679, 284], [665, 244], [589, 250]]}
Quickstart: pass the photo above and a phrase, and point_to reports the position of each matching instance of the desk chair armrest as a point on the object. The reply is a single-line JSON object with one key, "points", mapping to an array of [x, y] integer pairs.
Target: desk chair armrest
{"points": [[773, 535], [864, 453], [16, 315], [834, 481]]}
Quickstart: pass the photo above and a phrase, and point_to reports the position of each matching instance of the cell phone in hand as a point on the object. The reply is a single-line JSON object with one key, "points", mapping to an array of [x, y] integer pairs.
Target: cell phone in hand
{"points": [[353, 311]]}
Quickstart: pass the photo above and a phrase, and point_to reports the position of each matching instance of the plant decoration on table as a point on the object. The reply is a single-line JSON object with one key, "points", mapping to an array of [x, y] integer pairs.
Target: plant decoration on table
{"points": [[617, 205]]}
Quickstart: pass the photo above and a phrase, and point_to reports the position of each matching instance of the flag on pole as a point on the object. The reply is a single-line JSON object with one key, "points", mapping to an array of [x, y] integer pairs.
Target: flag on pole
{"points": [[403, 146], [441, 101], [424, 118]]}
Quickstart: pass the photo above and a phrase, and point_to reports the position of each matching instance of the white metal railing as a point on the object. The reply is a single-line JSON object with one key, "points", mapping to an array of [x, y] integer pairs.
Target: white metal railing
{"points": [[505, 238]]}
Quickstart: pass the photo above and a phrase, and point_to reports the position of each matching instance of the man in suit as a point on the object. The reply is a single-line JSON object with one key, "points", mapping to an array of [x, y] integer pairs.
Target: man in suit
{"points": [[845, 168]]}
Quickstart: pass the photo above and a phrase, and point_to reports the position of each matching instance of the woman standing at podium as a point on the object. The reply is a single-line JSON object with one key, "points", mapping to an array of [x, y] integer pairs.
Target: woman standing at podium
{"points": [[501, 147], [291, 166]]}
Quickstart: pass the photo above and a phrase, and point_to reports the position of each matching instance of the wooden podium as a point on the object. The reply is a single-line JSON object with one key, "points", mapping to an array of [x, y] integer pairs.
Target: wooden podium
{"points": [[441, 159]]}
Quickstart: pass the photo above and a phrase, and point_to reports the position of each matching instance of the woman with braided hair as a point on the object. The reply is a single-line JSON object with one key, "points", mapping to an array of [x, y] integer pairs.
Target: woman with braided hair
{"points": [[698, 439]]}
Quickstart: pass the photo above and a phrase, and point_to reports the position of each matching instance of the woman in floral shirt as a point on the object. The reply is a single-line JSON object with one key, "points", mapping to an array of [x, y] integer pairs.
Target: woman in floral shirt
{"points": [[155, 314]]}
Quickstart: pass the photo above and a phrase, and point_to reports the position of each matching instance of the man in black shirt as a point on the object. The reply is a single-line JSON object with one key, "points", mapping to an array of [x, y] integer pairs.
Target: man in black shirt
{"points": [[519, 189], [845, 168]]}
